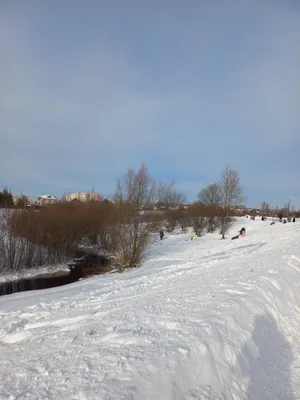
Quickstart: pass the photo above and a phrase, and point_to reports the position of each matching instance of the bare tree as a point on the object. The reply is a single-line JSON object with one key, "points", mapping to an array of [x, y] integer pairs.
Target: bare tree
{"points": [[173, 219], [225, 223], [198, 218], [231, 189], [213, 220], [17, 252], [210, 195], [199, 224], [265, 207], [169, 196], [137, 188], [210, 198], [184, 220], [231, 195], [135, 192], [172, 199]]}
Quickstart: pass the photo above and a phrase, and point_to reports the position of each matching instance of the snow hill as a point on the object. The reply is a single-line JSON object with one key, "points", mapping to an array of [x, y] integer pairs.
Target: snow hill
{"points": [[203, 319]]}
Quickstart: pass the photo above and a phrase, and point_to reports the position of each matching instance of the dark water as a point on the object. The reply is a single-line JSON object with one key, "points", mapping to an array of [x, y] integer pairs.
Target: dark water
{"points": [[23, 285]]}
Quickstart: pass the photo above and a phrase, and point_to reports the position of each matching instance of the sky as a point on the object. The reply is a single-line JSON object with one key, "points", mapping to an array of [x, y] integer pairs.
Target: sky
{"points": [[91, 88]]}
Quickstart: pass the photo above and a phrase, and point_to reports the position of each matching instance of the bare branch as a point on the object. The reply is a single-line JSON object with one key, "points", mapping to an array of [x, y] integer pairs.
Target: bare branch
{"points": [[265, 207], [169, 196], [210, 195], [231, 189]]}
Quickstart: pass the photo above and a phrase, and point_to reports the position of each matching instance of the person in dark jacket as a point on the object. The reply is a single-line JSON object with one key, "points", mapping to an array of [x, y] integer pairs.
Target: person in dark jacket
{"points": [[161, 235]]}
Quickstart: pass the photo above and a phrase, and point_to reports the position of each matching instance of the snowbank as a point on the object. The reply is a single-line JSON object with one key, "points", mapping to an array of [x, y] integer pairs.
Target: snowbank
{"points": [[203, 319]]}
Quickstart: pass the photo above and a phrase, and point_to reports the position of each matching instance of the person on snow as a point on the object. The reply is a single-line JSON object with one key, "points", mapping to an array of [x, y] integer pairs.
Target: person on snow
{"points": [[161, 235], [192, 236], [243, 232], [294, 219]]}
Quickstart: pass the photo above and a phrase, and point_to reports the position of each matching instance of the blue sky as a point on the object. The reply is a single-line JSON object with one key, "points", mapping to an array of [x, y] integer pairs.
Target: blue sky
{"points": [[90, 88]]}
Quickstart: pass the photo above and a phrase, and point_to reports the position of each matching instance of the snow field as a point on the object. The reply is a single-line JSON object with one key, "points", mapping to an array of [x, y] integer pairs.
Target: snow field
{"points": [[205, 319]]}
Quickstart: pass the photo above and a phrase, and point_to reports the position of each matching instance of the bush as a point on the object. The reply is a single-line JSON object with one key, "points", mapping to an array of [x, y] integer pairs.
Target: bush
{"points": [[16, 250], [134, 194], [30, 238], [199, 225], [171, 220]]}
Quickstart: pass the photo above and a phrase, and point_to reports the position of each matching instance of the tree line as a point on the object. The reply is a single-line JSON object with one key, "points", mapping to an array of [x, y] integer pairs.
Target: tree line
{"points": [[122, 228], [7, 200]]}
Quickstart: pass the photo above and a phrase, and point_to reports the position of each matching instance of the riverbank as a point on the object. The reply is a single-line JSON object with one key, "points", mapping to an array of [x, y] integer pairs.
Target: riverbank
{"points": [[40, 272]]}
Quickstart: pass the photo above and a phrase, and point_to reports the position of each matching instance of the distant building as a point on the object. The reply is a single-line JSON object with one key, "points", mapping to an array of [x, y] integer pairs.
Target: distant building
{"points": [[83, 196], [46, 199]]}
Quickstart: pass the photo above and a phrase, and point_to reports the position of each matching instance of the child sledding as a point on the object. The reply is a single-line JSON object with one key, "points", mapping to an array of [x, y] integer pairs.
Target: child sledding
{"points": [[242, 233]]}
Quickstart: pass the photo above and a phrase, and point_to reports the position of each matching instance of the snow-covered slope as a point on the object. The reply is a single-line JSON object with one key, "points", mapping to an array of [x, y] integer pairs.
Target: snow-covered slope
{"points": [[203, 319]]}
